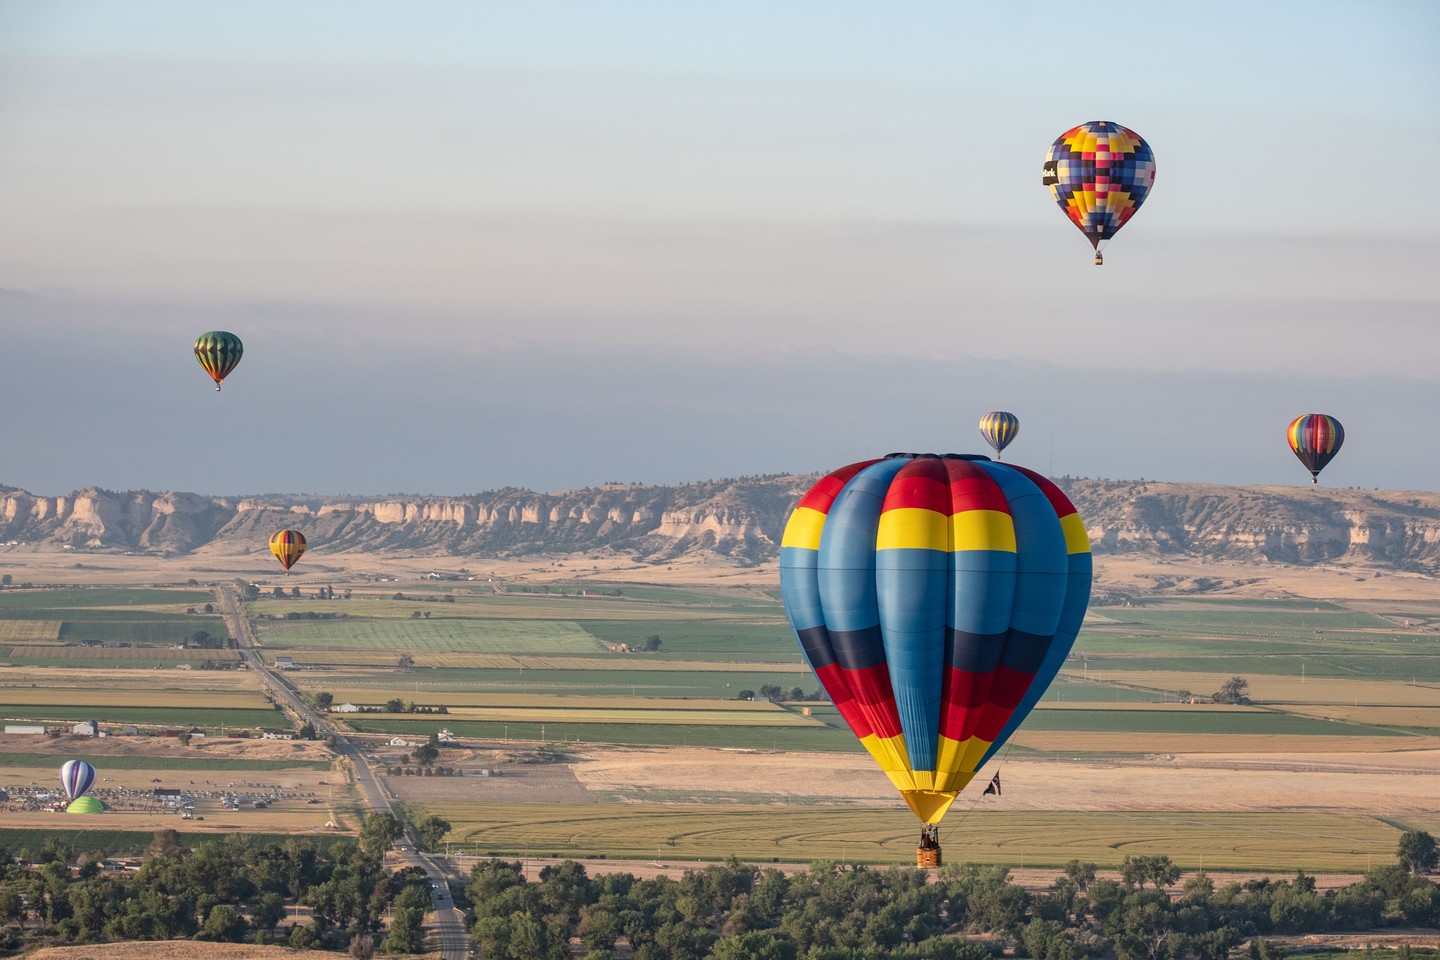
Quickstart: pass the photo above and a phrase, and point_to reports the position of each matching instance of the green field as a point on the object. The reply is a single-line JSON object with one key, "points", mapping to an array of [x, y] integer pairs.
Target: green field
{"points": [[125, 843], [111, 762], [705, 640], [1217, 841], [434, 635], [433, 682], [140, 631], [24, 603], [810, 738], [1199, 723]]}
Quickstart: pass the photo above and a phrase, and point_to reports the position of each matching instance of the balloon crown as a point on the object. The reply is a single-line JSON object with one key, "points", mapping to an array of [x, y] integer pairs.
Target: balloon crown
{"points": [[936, 456]]}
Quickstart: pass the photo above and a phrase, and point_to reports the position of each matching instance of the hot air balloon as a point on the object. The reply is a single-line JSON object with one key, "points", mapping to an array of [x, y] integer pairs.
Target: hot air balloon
{"points": [[1099, 173], [999, 428], [218, 352], [287, 545], [1315, 438], [76, 778], [935, 597]]}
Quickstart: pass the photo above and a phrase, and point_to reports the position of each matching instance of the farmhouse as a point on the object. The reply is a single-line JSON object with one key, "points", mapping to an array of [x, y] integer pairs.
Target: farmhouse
{"points": [[271, 734], [400, 742], [345, 708], [284, 663]]}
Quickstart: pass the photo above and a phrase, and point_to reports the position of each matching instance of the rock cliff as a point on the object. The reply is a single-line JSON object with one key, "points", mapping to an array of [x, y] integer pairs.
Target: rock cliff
{"points": [[741, 520]]}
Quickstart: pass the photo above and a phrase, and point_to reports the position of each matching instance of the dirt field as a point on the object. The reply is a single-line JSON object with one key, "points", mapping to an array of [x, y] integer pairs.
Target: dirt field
{"points": [[1132, 573], [178, 950], [1400, 784]]}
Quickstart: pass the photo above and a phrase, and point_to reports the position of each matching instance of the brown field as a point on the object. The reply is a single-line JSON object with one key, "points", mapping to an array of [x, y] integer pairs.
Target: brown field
{"points": [[177, 950], [505, 661], [636, 713], [1064, 741], [115, 696], [24, 631], [455, 699], [1422, 717]]}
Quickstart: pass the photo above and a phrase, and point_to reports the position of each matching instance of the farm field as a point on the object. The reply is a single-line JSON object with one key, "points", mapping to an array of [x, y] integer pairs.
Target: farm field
{"points": [[667, 831], [1339, 749]]}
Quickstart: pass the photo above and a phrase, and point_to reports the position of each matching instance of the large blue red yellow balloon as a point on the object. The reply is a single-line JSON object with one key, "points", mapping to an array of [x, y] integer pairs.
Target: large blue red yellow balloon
{"points": [[998, 428], [1315, 438], [287, 545], [935, 597], [1100, 173], [218, 352]]}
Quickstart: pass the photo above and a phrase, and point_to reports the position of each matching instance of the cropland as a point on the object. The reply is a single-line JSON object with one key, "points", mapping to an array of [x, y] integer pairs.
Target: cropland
{"points": [[599, 708]]}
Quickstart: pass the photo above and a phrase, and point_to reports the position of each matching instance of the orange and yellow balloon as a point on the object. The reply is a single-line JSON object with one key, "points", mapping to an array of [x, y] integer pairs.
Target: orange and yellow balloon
{"points": [[287, 545]]}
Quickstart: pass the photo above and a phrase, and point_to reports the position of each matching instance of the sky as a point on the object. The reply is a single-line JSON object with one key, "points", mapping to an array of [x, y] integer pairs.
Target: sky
{"points": [[555, 244]]}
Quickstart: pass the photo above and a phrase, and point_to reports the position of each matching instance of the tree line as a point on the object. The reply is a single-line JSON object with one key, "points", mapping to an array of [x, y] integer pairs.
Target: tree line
{"points": [[736, 911], [221, 890]]}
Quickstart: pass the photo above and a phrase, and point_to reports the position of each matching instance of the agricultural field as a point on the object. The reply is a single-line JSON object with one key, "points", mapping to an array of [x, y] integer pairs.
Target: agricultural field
{"points": [[675, 832], [210, 700]]}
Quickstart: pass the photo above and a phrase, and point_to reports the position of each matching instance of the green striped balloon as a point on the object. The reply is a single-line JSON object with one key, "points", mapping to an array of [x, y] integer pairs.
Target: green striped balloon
{"points": [[218, 352]]}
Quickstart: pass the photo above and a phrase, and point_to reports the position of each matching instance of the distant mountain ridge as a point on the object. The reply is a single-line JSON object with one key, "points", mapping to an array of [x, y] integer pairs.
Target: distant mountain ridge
{"points": [[740, 520]]}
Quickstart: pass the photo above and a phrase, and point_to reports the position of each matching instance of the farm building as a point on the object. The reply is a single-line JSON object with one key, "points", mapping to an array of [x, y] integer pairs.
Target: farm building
{"points": [[86, 728], [284, 663], [271, 734], [445, 736], [24, 728], [345, 708], [129, 730], [401, 742]]}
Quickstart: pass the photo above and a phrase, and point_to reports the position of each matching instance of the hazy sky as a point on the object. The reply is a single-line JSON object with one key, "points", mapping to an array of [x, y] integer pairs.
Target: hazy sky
{"points": [[471, 245]]}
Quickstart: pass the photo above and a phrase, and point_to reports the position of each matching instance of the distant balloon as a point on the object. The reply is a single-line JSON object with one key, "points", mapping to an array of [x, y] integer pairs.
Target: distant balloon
{"points": [[999, 428], [287, 545], [1100, 173], [76, 778], [1315, 438], [218, 352], [935, 598]]}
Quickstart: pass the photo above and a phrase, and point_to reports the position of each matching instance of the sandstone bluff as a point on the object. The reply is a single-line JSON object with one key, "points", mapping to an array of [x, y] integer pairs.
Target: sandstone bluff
{"points": [[740, 520]]}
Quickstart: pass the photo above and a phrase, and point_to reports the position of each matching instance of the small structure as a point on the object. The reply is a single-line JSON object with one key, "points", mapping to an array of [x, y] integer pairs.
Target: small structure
{"points": [[445, 736], [272, 734], [344, 708], [401, 742], [284, 663], [129, 730], [86, 728], [25, 728]]}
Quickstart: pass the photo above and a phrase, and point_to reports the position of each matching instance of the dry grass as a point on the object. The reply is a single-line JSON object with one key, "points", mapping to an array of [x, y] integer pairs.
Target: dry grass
{"points": [[1059, 741], [23, 631], [176, 950], [146, 696]]}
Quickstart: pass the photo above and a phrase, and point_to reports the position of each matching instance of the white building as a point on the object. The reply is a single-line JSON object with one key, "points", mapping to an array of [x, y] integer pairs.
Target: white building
{"points": [[344, 708], [86, 728]]}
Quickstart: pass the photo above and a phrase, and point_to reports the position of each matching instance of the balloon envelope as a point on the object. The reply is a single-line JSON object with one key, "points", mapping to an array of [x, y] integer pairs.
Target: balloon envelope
{"points": [[1315, 438], [1100, 173], [76, 777], [218, 352], [935, 598], [999, 428], [287, 545]]}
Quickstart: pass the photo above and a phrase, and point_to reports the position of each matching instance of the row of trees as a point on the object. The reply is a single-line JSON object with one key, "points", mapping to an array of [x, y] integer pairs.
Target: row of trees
{"points": [[734, 911], [223, 889]]}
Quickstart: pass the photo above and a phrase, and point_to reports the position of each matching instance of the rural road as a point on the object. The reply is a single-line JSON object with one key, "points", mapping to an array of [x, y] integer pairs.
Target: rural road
{"points": [[448, 923]]}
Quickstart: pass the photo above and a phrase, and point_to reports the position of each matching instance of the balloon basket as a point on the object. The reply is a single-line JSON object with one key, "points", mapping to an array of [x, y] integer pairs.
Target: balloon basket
{"points": [[927, 857]]}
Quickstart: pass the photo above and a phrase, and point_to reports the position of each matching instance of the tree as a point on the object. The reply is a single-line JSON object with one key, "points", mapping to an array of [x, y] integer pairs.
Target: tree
{"points": [[209, 608], [395, 705], [378, 832], [745, 695], [652, 643], [362, 946], [407, 934], [323, 700], [1418, 852], [6, 580], [1235, 691], [405, 661], [432, 831], [268, 910], [306, 731]]}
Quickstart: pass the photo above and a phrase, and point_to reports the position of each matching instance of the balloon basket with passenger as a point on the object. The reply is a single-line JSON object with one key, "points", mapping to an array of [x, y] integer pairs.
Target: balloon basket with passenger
{"points": [[927, 854]]}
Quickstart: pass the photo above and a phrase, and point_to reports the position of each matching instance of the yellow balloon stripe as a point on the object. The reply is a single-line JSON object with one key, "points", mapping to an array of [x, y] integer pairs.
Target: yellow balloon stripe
{"points": [[912, 528], [1076, 539], [804, 528], [982, 530]]}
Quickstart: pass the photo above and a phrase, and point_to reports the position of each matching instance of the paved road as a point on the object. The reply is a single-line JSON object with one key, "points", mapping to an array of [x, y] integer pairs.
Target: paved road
{"points": [[448, 923]]}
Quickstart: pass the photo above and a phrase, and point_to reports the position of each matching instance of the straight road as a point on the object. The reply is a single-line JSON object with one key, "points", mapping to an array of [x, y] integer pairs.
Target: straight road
{"points": [[448, 923]]}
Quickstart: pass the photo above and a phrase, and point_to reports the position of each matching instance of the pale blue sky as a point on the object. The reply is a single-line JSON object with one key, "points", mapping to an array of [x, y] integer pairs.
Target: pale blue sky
{"points": [[771, 210]]}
